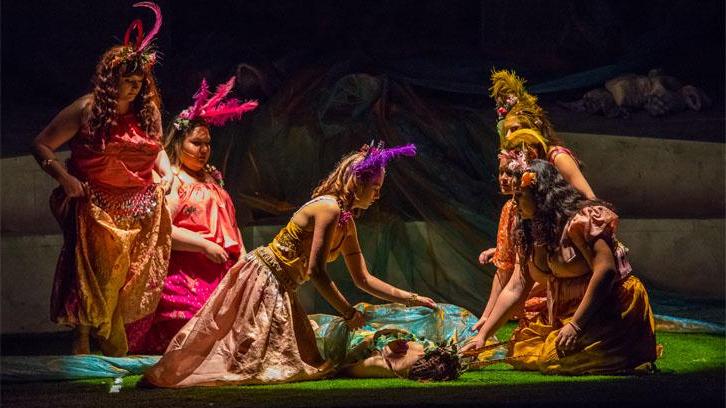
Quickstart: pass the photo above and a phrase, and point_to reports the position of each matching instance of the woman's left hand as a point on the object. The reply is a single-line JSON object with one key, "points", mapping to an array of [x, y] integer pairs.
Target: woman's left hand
{"points": [[165, 183], [567, 338], [424, 301]]}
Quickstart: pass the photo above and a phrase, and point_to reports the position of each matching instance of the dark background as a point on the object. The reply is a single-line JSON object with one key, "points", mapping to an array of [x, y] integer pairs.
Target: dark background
{"points": [[445, 48]]}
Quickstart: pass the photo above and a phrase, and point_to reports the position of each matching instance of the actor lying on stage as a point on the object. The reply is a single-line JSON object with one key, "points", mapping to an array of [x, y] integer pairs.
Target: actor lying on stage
{"points": [[253, 330], [205, 239], [117, 231], [598, 318], [414, 343]]}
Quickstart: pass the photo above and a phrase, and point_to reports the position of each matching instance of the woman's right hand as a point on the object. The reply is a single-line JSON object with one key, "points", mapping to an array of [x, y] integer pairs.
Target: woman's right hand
{"points": [[72, 187], [215, 253], [356, 321], [486, 256], [474, 343]]}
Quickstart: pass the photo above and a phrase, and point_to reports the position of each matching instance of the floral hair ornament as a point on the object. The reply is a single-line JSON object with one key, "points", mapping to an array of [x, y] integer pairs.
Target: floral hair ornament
{"points": [[377, 158], [213, 110], [519, 164], [141, 51], [508, 90]]}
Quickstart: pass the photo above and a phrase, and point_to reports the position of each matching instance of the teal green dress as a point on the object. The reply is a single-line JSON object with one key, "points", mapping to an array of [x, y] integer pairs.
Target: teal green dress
{"points": [[447, 324]]}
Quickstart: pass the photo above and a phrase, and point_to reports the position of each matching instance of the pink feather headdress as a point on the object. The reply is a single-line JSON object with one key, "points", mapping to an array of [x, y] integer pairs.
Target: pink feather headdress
{"points": [[141, 50], [377, 158], [213, 110]]}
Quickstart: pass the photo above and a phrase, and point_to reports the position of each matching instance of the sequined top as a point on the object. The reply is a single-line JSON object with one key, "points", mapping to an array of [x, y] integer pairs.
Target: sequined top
{"points": [[292, 245]]}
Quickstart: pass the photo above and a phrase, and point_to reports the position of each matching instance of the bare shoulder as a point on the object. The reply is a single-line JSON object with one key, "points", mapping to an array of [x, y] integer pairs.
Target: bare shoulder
{"points": [[324, 207]]}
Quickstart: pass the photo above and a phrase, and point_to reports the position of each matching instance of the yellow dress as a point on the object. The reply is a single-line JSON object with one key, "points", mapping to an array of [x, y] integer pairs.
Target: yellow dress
{"points": [[620, 337], [253, 329], [117, 240]]}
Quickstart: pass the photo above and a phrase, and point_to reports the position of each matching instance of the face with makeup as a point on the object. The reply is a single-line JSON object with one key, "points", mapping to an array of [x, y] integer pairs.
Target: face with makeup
{"points": [[369, 192], [525, 204], [129, 87], [195, 149], [505, 177]]}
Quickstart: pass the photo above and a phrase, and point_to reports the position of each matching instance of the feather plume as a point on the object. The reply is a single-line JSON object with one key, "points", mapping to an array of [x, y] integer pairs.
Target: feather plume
{"points": [[219, 94], [228, 111], [379, 158], [157, 23], [506, 83], [200, 98]]}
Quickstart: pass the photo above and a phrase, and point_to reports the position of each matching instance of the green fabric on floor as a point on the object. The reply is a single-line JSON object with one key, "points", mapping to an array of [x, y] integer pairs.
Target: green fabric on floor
{"points": [[691, 372]]}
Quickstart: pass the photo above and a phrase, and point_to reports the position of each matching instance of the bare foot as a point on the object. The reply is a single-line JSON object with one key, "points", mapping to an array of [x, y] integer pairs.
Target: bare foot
{"points": [[81, 344]]}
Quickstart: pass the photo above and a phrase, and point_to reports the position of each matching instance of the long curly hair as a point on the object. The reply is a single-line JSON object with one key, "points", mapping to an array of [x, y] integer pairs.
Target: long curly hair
{"points": [[556, 202], [342, 182], [440, 364], [116, 62]]}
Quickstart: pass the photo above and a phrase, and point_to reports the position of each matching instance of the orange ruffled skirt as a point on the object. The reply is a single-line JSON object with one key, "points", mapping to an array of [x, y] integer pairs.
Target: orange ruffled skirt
{"points": [[619, 339]]}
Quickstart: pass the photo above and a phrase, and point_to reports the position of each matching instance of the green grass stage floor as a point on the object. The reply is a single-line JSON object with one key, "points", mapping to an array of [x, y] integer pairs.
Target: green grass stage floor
{"points": [[691, 373]]}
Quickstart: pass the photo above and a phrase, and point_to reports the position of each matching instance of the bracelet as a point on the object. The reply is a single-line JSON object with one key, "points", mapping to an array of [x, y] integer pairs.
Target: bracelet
{"points": [[411, 299], [577, 328], [352, 315], [45, 163]]}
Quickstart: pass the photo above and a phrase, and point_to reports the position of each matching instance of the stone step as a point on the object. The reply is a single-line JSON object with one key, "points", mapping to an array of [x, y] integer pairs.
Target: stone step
{"points": [[643, 177]]}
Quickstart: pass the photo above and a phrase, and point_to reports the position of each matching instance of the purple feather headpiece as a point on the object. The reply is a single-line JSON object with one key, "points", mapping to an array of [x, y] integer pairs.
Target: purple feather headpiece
{"points": [[377, 158], [213, 110]]}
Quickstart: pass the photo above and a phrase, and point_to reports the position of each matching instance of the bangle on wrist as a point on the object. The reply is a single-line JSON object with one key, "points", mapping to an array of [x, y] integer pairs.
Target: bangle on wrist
{"points": [[575, 326], [45, 163], [413, 297], [350, 315]]}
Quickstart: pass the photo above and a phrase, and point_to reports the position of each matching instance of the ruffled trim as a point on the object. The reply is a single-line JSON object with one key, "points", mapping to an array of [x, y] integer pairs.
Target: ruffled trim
{"points": [[593, 223]]}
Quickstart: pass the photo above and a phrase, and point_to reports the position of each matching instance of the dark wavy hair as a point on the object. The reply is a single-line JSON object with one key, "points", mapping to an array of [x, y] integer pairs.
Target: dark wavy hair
{"points": [[556, 202], [440, 364]]}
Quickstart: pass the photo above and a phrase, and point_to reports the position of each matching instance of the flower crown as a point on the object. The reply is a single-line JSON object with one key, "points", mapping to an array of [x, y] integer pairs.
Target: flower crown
{"points": [[213, 110], [519, 164], [141, 51], [377, 158]]}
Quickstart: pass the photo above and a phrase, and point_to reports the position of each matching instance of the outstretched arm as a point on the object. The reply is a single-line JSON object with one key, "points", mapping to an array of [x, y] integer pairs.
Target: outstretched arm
{"points": [[598, 289], [498, 283], [325, 220], [516, 289], [368, 283]]}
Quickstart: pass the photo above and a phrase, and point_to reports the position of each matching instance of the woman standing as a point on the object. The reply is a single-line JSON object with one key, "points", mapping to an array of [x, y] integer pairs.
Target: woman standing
{"points": [[206, 241], [117, 232]]}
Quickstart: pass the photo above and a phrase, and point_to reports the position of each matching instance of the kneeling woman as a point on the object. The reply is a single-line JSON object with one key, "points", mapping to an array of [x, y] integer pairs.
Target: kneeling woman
{"points": [[598, 318], [253, 330]]}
